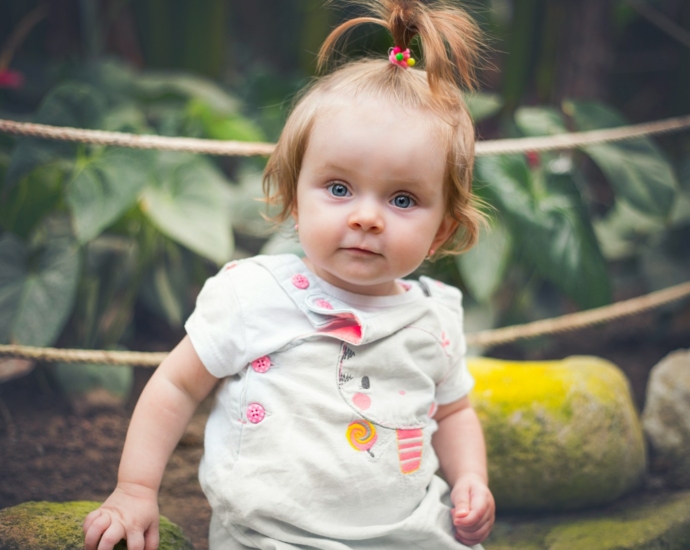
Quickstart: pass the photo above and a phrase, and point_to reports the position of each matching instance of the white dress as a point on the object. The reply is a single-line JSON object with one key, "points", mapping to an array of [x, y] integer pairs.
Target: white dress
{"points": [[320, 436]]}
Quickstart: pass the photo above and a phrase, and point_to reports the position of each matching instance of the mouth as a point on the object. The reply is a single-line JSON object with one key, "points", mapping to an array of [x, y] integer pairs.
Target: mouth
{"points": [[361, 251]]}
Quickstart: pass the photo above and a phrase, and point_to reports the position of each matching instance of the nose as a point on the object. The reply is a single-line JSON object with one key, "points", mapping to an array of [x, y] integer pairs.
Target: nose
{"points": [[366, 216]]}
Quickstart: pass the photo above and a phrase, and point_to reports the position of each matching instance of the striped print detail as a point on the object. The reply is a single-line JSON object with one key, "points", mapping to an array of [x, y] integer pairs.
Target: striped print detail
{"points": [[410, 444]]}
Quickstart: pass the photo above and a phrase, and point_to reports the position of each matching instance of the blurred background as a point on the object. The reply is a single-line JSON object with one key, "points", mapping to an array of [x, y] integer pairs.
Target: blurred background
{"points": [[106, 248]]}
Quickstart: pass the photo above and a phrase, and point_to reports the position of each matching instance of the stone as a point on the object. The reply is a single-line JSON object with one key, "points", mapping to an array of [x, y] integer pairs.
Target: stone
{"points": [[57, 526], [649, 522], [666, 418], [560, 435]]}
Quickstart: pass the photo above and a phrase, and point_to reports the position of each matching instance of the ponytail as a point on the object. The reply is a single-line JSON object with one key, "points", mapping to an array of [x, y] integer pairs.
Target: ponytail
{"points": [[449, 38]]}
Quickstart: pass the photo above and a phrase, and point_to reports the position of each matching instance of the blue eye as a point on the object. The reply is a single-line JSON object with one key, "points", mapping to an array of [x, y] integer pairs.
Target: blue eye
{"points": [[338, 190], [403, 201]]}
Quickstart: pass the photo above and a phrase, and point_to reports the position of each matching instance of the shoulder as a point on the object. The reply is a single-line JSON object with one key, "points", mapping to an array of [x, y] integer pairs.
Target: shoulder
{"points": [[252, 275], [444, 296], [247, 288]]}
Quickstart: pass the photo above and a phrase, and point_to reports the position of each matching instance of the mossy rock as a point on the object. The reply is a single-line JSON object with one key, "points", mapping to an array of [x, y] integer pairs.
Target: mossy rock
{"points": [[57, 526], [561, 435], [666, 418], [659, 522]]}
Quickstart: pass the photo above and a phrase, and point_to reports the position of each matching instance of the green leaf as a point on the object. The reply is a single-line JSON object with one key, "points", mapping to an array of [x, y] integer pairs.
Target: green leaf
{"points": [[684, 174], [549, 225], [540, 121], [217, 125], [13, 255], [636, 168], [75, 105], [483, 266], [31, 200], [190, 204], [168, 299], [157, 85], [104, 187], [247, 208], [482, 105], [83, 378], [622, 230], [37, 289]]}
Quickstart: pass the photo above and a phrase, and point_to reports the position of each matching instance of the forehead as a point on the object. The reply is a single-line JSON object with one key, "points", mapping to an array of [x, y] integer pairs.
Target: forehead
{"points": [[378, 137]]}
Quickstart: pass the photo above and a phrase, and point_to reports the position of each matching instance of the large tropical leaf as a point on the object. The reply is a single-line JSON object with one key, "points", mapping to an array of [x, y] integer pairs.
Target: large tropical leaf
{"points": [[75, 105], [190, 203], [26, 203], [185, 86], [540, 121], [549, 225], [105, 186], [636, 168], [37, 289], [225, 126], [483, 266]]}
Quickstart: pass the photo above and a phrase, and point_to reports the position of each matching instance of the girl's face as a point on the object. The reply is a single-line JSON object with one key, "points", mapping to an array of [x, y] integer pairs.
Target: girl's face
{"points": [[370, 202]]}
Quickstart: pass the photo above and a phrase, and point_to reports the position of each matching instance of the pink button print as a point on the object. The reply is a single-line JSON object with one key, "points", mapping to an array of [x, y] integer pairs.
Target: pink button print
{"points": [[325, 304], [262, 364], [300, 281], [255, 413]]}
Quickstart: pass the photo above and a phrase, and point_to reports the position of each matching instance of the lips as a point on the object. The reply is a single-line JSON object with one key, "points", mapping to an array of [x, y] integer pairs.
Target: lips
{"points": [[362, 251]]}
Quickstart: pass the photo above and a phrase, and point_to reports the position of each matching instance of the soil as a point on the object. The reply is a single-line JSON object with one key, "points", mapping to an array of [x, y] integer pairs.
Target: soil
{"points": [[55, 449]]}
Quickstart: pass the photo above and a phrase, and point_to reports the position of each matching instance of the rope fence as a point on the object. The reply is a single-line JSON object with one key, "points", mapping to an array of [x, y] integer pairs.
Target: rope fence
{"points": [[571, 322], [556, 325], [247, 149]]}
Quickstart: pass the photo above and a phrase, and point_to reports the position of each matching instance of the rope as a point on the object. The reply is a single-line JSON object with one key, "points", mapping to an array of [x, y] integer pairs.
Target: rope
{"points": [[581, 319], [134, 141], [246, 149], [493, 337]]}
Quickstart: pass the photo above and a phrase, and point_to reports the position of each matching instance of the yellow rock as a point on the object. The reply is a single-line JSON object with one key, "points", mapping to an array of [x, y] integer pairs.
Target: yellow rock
{"points": [[561, 435]]}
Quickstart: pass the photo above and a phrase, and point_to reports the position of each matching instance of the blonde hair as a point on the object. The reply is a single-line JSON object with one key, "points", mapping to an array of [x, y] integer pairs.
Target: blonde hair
{"points": [[450, 42]]}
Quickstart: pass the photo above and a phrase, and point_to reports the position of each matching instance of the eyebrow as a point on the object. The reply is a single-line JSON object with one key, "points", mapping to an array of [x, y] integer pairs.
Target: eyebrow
{"points": [[404, 183]]}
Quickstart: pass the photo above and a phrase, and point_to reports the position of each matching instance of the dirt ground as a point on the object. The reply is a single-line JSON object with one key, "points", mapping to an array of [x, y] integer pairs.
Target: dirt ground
{"points": [[51, 451]]}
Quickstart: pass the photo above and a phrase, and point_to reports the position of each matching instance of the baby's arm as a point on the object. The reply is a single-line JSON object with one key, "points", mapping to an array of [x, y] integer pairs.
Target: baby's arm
{"points": [[459, 444], [162, 413]]}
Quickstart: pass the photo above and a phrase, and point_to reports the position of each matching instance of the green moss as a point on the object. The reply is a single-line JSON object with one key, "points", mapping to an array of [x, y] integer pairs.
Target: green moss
{"points": [[655, 525], [658, 523], [57, 526], [560, 434]]}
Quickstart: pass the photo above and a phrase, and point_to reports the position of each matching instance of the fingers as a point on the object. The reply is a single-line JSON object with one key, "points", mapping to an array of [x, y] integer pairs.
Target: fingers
{"points": [[88, 520], [475, 537], [152, 537], [114, 534], [479, 504], [464, 512], [473, 515], [135, 540], [98, 524]]}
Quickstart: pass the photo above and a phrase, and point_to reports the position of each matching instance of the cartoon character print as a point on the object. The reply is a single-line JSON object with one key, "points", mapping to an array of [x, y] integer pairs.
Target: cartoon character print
{"points": [[387, 389]]}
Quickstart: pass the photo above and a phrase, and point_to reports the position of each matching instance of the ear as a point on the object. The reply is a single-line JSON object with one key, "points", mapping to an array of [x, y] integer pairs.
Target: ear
{"points": [[447, 228], [293, 212]]}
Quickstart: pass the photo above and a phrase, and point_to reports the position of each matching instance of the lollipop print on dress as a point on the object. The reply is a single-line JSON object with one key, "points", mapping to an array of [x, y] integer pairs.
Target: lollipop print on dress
{"points": [[361, 435]]}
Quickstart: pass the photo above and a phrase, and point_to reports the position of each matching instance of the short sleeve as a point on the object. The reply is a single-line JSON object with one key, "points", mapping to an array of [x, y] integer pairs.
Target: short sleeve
{"points": [[458, 382], [216, 328]]}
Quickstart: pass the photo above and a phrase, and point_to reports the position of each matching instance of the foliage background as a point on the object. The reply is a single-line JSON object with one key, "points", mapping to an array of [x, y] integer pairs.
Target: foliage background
{"points": [[106, 248]]}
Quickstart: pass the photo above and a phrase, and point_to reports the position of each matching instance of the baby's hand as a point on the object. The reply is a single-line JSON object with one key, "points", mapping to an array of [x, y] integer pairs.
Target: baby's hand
{"points": [[473, 515], [130, 513]]}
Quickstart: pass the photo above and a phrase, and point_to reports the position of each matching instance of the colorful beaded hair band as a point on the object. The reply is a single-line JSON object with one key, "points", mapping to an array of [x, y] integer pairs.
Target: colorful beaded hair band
{"points": [[401, 58]]}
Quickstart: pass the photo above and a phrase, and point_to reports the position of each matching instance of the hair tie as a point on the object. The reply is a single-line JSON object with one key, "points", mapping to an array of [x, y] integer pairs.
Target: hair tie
{"points": [[401, 58]]}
